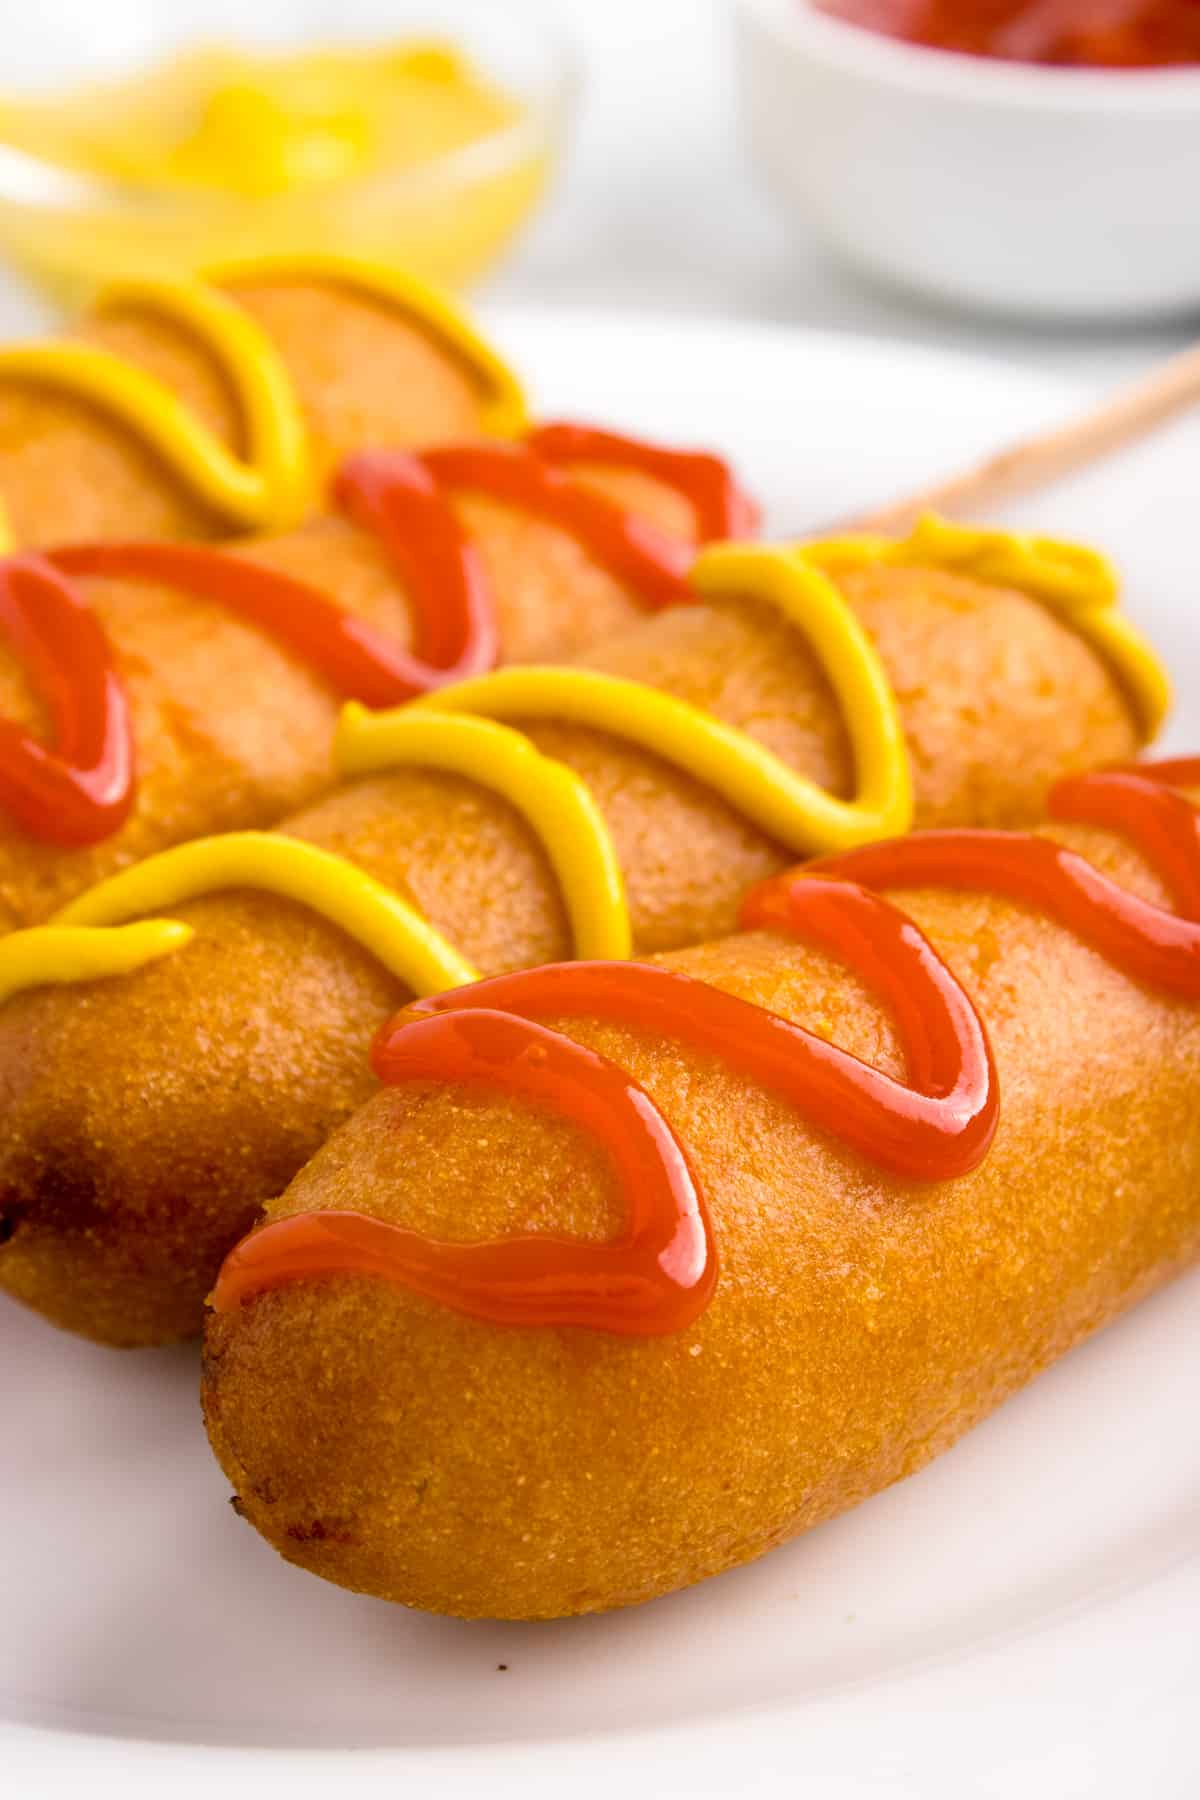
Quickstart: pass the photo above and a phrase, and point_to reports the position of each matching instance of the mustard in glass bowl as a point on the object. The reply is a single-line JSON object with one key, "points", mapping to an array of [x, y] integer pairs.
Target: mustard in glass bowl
{"points": [[186, 137]]}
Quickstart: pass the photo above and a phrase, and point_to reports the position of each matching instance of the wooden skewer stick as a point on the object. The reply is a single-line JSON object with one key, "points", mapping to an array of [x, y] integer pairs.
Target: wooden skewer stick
{"points": [[1132, 413]]}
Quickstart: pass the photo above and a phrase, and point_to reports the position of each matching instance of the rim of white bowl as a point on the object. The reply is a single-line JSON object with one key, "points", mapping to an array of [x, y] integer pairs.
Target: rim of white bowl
{"points": [[949, 74]]}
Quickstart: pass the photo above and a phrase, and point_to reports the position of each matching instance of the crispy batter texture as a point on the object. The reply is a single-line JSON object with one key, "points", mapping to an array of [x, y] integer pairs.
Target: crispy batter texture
{"points": [[232, 731], [860, 1325], [363, 375], [143, 1121]]}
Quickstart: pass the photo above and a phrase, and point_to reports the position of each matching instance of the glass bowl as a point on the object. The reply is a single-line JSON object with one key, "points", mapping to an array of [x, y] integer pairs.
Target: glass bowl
{"points": [[445, 217]]}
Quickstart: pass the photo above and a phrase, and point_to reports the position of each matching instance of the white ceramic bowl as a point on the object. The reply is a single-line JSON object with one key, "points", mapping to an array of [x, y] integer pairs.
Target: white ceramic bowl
{"points": [[1060, 192]]}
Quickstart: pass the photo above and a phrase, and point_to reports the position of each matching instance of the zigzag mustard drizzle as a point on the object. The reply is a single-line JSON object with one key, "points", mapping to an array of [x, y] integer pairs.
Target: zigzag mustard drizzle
{"points": [[659, 1274], [458, 729], [272, 487]]}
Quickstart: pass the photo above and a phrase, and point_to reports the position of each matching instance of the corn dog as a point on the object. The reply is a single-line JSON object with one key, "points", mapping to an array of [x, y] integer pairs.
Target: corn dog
{"points": [[145, 1115], [199, 409], [213, 677], [979, 1147]]}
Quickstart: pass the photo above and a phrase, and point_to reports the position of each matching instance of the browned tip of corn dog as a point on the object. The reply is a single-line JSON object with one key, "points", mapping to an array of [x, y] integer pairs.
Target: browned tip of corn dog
{"points": [[860, 1323], [142, 1120], [362, 374]]}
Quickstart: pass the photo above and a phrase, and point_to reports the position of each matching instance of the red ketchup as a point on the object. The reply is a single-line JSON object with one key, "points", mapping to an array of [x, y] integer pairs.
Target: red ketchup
{"points": [[1151, 944], [660, 1275], [80, 791], [1106, 34]]}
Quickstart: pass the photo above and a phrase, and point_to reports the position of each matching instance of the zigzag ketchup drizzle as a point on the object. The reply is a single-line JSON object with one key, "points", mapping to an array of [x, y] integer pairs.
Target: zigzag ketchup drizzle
{"points": [[1157, 947], [659, 1276], [80, 791], [720, 507], [83, 788]]}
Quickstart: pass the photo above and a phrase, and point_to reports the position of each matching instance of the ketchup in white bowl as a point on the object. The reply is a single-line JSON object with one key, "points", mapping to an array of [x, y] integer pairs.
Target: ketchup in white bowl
{"points": [[1107, 34], [1039, 157]]}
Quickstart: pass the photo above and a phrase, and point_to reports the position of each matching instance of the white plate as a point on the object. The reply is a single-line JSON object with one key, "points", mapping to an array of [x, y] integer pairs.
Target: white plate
{"points": [[1019, 1617]]}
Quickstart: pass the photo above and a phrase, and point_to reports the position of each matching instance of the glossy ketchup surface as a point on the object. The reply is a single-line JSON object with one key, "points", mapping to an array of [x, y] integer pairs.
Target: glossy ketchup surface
{"points": [[1115, 34], [1153, 945], [720, 505], [659, 1275], [397, 499], [651, 562], [79, 791]]}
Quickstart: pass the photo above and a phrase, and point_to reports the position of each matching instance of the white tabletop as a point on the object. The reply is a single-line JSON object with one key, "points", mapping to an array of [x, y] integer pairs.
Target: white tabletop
{"points": [[657, 207]]}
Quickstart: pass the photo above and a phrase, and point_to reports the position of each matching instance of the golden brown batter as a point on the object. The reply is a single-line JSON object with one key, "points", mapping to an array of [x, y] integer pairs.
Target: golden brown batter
{"points": [[861, 1324], [144, 1120]]}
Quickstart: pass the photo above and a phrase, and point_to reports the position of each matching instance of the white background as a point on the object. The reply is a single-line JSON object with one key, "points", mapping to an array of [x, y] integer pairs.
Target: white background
{"points": [[658, 208]]}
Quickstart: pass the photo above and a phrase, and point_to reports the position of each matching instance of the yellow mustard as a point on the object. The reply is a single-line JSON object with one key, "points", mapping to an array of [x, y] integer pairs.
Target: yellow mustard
{"points": [[86, 940], [271, 488], [798, 814], [1076, 583], [380, 920], [551, 798], [55, 955], [220, 149], [458, 729]]}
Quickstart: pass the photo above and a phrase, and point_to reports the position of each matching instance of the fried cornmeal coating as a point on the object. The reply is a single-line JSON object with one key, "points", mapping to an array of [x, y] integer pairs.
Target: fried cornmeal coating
{"points": [[232, 731], [143, 1121], [861, 1324]]}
